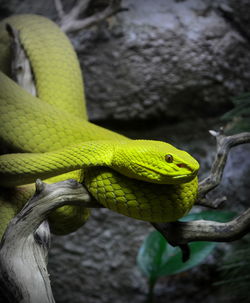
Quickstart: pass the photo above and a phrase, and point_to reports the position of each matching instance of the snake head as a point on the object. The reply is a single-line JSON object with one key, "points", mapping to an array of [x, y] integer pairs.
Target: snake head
{"points": [[154, 161]]}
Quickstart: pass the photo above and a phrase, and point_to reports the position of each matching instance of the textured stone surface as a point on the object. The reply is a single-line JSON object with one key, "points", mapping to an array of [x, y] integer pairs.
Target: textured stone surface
{"points": [[102, 268], [162, 59], [167, 59], [45, 7]]}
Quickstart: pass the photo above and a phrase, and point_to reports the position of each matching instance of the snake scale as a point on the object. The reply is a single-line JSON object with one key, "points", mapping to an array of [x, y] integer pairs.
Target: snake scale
{"points": [[49, 137]]}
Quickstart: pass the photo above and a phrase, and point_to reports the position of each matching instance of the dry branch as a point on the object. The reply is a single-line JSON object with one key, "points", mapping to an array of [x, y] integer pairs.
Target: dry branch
{"points": [[20, 65], [23, 251], [224, 144], [70, 22], [181, 233]]}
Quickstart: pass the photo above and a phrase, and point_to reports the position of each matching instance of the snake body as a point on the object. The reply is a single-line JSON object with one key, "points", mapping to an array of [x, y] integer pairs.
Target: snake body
{"points": [[50, 137]]}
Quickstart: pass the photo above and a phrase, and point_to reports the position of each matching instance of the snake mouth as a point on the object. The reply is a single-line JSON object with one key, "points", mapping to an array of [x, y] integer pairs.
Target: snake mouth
{"points": [[191, 175], [159, 177], [183, 165]]}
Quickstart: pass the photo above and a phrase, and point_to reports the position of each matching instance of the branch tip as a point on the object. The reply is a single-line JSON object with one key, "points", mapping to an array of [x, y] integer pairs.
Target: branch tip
{"points": [[40, 185], [214, 133], [70, 22]]}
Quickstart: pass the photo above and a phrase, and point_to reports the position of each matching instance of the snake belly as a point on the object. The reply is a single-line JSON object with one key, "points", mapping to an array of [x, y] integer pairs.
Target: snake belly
{"points": [[51, 121]]}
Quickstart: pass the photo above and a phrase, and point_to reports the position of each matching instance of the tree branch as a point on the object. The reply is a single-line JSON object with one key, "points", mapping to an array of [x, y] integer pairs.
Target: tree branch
{"points": [[181, 233], [20, 65], [23, 251], [224, 144], [59, 9], [70, 22]]}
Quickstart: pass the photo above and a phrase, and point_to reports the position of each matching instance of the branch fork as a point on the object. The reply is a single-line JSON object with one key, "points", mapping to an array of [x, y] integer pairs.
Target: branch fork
{"points": [[71, 23], [24, 246], [181, 233]]}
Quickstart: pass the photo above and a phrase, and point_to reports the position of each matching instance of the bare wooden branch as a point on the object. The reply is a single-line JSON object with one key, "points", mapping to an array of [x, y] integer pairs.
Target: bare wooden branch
{"points": [[23, 251], [224, 144], [59, 9], [181, 233], [70, 22], [20, 65], [79, 8], [214, 204]]}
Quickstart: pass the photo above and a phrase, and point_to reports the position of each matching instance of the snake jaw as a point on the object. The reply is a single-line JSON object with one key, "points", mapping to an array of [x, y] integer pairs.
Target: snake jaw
{"points": [[154, 162], [159, 176], [185, 178], [183, 165]]}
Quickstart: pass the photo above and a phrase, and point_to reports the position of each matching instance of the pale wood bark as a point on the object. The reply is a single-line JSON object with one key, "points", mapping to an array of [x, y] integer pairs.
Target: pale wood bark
{"points": [[25, 243], [181, 233], [70, 22]]}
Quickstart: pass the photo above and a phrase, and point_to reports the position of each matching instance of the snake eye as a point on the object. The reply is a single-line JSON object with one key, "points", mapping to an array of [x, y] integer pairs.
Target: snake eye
{"points": [[169, 158]]}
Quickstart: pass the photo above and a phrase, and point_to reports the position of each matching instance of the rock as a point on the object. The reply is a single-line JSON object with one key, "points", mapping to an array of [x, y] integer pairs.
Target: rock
{"points": [[97, 263], [166, 60], [237, 14], [170, 60]]}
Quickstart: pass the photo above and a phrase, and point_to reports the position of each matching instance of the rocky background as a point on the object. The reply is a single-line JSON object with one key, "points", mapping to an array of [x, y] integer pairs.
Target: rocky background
{"points": [[161, 70]]}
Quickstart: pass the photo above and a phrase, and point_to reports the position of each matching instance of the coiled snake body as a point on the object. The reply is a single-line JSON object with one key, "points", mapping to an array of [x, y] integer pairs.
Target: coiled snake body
{"points": [[50, 138]]}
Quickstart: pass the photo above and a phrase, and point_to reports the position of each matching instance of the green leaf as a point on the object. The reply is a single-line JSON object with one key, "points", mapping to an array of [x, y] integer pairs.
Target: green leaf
{"points": [[242, 106], [158, 258], [239, 117], [199, 251], [150, 254]]}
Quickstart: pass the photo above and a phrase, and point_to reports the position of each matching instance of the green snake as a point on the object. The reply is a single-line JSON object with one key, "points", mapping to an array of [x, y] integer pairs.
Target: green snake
{"points": [[49, 137]]}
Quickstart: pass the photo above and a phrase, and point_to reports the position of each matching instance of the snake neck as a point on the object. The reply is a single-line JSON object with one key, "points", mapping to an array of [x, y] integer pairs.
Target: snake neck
{"points": [[45, 165], [96, 153]]}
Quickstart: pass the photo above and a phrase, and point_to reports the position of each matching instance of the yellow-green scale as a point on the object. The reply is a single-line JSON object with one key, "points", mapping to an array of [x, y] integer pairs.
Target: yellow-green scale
{"points": [[138, 199]]}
